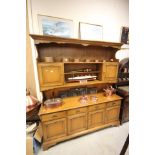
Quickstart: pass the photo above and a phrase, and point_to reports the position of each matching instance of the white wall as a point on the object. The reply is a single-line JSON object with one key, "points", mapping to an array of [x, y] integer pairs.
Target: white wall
{"points": [[111, 14]]}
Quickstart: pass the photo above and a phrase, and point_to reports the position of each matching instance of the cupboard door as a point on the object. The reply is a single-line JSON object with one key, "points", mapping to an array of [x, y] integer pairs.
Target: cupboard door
{"points": [[50, 74], [112, 114], [54, 129], [110, 71], [96, 118], [77, 123]]}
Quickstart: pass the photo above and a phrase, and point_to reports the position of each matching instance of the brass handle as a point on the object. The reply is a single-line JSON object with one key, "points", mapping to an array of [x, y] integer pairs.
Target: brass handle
{"points": [[113, 103], [96, 107], [77, 111], [55, 116]]}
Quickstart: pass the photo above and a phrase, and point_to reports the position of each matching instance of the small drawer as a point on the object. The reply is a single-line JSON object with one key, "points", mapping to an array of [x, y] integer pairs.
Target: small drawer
{"points": [[96, 107], [77, 111], [53, 116], [114, 103]]}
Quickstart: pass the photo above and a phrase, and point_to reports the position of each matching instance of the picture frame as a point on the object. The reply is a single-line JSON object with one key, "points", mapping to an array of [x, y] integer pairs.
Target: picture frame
{"points": [[55, 26], [89, 31], [125, 35]]}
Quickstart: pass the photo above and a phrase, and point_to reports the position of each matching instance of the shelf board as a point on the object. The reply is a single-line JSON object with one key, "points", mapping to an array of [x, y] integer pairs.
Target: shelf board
{"points": [[91, 72], [83, 62], [76, 104], [60, 40], [73, 84], [80, 84]]}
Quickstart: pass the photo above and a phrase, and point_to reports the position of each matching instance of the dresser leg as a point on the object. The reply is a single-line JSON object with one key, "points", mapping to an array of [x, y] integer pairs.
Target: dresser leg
{"points": [[47, 146]]}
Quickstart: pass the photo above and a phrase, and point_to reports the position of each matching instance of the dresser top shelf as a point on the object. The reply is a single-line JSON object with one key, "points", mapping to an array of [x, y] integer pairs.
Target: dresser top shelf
{"points": [[74, 102], [60, 40]]}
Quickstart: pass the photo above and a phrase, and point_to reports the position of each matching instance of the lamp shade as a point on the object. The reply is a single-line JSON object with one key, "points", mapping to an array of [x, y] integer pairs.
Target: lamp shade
{"points": [[123, 52]]}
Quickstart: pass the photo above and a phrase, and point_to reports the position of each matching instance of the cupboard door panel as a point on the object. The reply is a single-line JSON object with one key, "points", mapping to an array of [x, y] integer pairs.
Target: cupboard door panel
{"points": [[112, 114], [77, 123], [96, 118], [110, 71], [54, 129], [50, 74]]}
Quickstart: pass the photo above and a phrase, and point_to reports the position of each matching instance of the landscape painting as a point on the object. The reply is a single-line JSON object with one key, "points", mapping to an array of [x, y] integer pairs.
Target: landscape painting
{"points": [[56, 26]]}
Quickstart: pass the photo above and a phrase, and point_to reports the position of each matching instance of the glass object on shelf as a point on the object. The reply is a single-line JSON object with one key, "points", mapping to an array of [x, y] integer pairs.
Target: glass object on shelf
{"points": [[92, 90], [84, 99], [93, 98], [63, 94]]}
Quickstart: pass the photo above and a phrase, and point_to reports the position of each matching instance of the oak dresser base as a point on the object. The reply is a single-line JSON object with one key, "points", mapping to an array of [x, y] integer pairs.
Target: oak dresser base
{"points": [[47, 145]]}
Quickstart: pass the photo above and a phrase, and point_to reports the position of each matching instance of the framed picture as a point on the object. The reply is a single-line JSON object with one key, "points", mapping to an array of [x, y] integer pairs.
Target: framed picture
{"points": [[90, 31], [125, 35], [55, 26]]}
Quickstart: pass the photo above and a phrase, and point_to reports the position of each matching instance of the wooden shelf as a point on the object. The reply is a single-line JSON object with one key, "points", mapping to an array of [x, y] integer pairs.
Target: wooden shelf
{"points": [[76, 104], [73, 84], [60, 40], [91, 72], [83, 62], [80, 84]]}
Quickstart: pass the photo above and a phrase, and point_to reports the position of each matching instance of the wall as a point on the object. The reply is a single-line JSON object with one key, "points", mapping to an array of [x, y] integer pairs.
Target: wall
{"points": [[111, 14], [30, 80]]}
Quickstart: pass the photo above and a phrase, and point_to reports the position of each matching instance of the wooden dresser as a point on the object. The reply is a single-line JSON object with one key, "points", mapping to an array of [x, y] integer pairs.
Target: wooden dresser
{"points": [[74, 119], [73, 59]]}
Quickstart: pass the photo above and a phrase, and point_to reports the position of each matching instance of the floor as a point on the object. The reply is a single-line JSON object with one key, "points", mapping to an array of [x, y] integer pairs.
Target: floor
{"points": [[107, 141]]}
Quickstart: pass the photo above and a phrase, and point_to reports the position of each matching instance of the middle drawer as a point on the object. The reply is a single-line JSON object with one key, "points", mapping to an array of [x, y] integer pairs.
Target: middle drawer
{"points": [[96, 107], [77, 111]]}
